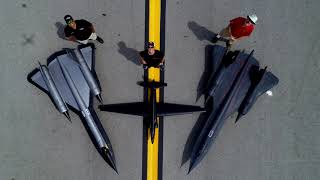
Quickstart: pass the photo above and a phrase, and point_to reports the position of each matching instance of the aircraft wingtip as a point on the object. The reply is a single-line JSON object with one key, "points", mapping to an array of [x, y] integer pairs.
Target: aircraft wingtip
{"points": [[67, 116], [100, 98], [238, 117], [191, 167]]}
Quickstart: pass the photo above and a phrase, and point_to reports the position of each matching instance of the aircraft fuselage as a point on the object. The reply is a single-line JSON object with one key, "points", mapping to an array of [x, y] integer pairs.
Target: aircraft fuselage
{"points": [[153, 112]]}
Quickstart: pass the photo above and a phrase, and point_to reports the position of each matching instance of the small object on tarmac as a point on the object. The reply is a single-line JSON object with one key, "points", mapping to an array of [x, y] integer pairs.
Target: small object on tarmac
{"points": [[100, 40], [215, 38], [269, 93]]}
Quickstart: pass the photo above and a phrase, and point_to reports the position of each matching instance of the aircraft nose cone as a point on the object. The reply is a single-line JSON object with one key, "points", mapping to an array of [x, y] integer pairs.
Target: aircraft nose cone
{"points": [[109, 157], [193, 164], [114, 167]]}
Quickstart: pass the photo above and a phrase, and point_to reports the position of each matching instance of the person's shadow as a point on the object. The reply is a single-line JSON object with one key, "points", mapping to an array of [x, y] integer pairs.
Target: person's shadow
{"points": [[60, 30], [129, 53], [201, 32]]}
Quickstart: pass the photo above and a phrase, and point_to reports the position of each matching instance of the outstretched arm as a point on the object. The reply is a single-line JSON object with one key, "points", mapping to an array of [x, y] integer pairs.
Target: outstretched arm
{"points": [[162, 61], [92, 29], [142, 61], [72, 38]]}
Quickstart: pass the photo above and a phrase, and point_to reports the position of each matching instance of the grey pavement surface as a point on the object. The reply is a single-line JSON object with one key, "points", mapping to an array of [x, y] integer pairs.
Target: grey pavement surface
{"points": [[277, 140]]}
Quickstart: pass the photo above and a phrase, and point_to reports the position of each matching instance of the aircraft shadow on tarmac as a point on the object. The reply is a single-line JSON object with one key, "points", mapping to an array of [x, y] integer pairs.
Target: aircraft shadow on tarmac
{"points": [[208, 67], [129, 53], [202, 33], [201, 89], [193, 137]]}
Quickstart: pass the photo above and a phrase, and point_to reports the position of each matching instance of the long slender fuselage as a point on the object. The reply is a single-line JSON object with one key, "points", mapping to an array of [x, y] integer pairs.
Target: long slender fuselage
{"points": [[215, 121], [84, 110], [73, 79], [92, 83], [153, 111], [53, 91]]}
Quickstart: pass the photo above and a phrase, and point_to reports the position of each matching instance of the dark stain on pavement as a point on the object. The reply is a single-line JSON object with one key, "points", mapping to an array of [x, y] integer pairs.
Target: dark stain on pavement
{"points": [[28, 39]]}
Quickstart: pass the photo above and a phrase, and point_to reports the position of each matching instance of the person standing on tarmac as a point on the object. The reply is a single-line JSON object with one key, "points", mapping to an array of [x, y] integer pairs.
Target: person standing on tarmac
{"points": [[80, 31], [151, 57], [238, 28]]}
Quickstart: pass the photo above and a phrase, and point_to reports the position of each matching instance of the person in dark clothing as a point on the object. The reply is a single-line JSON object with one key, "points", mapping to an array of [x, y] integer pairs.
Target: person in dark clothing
{"points": [[151, 57], [80, 30]]}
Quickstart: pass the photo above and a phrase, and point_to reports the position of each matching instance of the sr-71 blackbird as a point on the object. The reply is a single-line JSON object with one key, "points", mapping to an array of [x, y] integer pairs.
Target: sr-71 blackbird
{"points": [[235, 84], [70, 81], [152, 109]]}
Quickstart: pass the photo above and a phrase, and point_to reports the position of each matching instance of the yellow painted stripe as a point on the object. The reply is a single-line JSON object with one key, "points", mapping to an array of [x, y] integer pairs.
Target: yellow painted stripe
{"points": [[154, 22], [153, 149], [154, 75]]}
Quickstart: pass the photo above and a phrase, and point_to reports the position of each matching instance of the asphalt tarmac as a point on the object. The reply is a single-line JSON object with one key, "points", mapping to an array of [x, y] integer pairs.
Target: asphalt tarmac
{"points": [[277, 140]]}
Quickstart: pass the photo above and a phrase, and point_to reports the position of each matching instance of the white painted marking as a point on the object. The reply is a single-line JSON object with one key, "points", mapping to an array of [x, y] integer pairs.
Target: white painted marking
{"points": [[269, 93], [210, 133]]}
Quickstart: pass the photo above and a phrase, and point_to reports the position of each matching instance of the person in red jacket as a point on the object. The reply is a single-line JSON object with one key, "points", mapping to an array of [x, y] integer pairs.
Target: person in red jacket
{"points": [[238, 28]]}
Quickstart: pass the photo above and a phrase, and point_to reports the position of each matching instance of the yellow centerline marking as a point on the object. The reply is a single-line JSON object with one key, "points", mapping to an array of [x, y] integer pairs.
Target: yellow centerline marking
{"points": [[154, 75]]}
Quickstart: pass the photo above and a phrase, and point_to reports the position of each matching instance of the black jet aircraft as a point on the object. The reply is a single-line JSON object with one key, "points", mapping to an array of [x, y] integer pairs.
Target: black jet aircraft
{"points": [[234, 86], [71, 82], [152, 109]]}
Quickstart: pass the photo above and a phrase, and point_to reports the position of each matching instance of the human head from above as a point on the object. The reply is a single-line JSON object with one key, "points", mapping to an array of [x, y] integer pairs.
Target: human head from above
{"points": [[70, 22], [150, 47], [252, 19]]}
